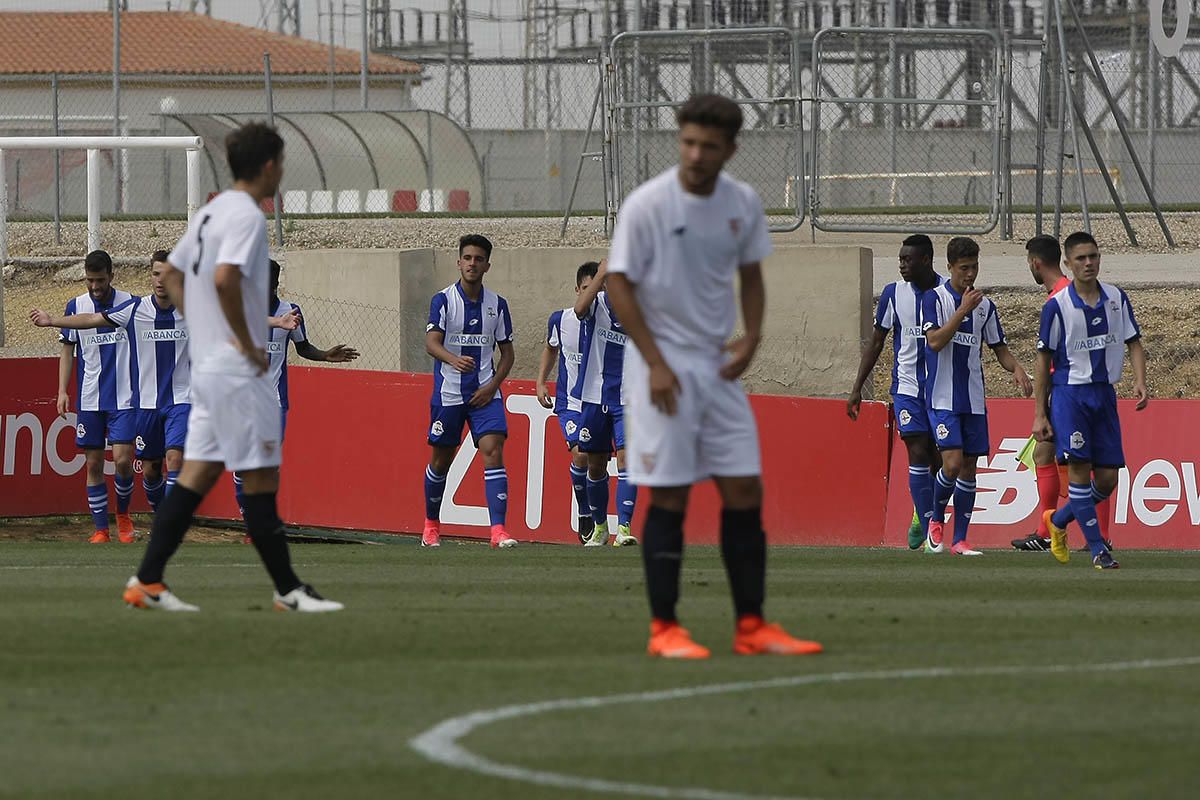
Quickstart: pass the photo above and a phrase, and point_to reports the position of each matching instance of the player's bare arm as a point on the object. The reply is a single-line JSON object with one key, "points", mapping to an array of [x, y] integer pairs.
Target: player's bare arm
{"points": [[484, 394], [870, 356], [549, 358], [587, 295], [663, 383], [1041, 397], [75, 322], [229, 292], [754, 308], [938, 338], [288, 322], [435, 345], [1137, 360], [338, 354], [66, 358], [1010, 363]]}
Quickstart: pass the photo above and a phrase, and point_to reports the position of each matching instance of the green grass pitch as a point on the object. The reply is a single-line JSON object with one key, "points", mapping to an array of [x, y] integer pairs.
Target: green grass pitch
{"points": [[239, 701]]}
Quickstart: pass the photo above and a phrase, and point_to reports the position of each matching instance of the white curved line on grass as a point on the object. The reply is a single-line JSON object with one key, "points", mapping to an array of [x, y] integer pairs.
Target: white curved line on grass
{"points": [[440, 743]]}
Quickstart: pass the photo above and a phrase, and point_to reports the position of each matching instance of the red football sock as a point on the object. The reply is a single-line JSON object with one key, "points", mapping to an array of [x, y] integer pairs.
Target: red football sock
{"points": [[1047, 487], [1102, 513], [1063, 482]]}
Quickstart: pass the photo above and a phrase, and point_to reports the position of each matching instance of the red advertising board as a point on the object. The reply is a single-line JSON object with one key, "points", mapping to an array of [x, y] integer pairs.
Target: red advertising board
{"points": [[1157, 502]]}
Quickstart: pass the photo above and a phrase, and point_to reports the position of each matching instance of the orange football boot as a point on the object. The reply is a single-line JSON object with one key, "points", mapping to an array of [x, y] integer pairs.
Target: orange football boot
{"points": [[125, 532], [755, 636], [672, 640], [100, 537]]}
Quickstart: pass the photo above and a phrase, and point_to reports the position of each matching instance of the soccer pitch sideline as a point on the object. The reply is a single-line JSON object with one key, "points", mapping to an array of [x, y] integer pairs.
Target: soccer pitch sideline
{"points": [[1004, 676]]}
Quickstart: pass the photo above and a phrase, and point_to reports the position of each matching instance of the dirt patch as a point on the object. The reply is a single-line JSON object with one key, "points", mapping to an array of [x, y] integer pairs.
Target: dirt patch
{"points": [[78, 529]]}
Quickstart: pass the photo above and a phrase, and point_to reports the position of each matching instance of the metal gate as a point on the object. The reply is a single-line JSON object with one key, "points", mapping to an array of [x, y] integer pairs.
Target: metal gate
{"points": [[649, 74], [906, 129]]}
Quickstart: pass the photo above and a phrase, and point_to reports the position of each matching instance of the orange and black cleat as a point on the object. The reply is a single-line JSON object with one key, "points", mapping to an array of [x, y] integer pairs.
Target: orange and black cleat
{"points": [[672, 640], [755, 636]]}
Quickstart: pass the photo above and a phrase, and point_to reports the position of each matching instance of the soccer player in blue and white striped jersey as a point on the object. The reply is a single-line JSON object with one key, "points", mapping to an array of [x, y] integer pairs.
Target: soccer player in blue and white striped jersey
{"points": [[601, 413], [958, 320], [567, 338], [1085, 329], [106, 394], [899, 312], [467, 323]]}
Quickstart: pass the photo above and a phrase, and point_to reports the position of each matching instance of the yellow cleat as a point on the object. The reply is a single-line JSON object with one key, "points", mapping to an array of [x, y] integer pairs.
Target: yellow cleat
{"points": [[1058, 540]]}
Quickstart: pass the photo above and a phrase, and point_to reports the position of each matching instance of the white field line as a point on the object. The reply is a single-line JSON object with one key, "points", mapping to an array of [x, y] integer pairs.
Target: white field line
{"points": [[441, 742]]}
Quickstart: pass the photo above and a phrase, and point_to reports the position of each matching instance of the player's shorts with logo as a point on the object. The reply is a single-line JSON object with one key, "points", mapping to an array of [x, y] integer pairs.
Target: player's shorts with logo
{"points": [[161, 429], [94, 428], [1086, 425], [446, 422], [234, 420], [568, 421], [712, 432], [954, 430], [912, 415], [601, 428]]}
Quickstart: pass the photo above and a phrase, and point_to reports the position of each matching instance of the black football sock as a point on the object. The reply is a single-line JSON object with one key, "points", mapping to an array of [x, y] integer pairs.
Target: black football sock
{"points": [[744, 550], [267, 534], [662, 556], [171, 521]]}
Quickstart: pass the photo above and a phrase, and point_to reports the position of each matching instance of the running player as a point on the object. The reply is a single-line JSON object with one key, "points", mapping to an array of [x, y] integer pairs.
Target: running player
{"points": [[601, 415], [958, 320], [106, 395], [219, 277], [1084, 331], [287, 326], [899, 311], [683, 239], [466, 324], [158, 340], [566, 340]]}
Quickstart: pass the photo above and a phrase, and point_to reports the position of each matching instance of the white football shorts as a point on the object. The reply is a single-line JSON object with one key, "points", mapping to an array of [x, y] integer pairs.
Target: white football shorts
{"points": [[235, 421], [711, 434]]}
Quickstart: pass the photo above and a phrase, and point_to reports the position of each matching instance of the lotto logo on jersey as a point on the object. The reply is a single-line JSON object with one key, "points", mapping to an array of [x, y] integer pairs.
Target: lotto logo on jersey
{"points": [[437, 429], [942, 431], [1077, 440], [164, 335], [585, 435], [905, 417]]}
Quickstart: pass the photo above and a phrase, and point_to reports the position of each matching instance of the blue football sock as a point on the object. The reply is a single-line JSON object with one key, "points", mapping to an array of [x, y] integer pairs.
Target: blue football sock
{"points": [[597, 492], [1080, 498], [124, 484], [920, 486], [240, 493], [626, 498], [1066, 515], [154, 491], [495, 484], [435, 485], [172, 476], [964, 506], [943, 490], [98, 503], [579, 484]]}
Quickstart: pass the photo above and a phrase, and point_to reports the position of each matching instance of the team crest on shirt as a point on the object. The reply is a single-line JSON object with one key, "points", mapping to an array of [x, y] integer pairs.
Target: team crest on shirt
{"points": [[1077, 440], [491, 312], [585, 435], [437, 428], [905, 417], [942, 431], [571, 428], [80, 431]]}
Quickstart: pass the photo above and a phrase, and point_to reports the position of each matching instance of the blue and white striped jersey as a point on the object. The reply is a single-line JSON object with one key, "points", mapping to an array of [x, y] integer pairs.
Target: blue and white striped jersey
{"points": [[1088, 342], [159, 343], [277, 349], [604, 359], [570, 335], [899, 311], [103, 367], [471, 329], [954, 377]]}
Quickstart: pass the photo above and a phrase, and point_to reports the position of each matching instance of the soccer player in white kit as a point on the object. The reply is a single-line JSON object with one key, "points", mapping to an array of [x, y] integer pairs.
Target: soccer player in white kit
{"points": [[219, 278], [682, 238]]}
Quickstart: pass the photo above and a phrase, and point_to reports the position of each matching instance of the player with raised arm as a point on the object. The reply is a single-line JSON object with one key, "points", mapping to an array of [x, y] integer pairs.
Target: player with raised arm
{"points": [[1084, 331], [602, 415], [566, 339], [106, 396], [219, 278], [899, 312], [467, 323], [158, 342], [958, 320], [682, 241]]}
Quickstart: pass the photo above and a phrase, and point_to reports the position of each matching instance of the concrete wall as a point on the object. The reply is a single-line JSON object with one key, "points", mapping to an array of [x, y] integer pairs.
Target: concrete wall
{"points": [[818, 308]]}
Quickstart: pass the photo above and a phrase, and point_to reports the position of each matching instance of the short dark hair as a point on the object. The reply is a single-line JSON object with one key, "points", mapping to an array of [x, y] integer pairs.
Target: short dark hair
{"points": [[711, 111], [961, 247], [1045, 249], [1077, 238], [921, 243], [98, 261], [587, 269], [250, 147], [159, 256], [475, 240]]}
